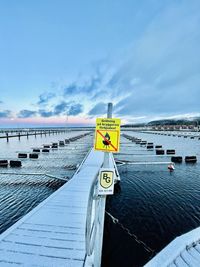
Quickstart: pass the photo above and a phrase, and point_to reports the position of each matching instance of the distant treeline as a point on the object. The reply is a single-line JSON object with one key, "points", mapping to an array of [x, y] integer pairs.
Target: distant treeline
{"points": [[193, 122]]}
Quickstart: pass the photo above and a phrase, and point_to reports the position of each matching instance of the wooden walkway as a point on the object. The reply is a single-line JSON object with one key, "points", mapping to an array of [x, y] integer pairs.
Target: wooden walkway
{"points": [[53, 233]]}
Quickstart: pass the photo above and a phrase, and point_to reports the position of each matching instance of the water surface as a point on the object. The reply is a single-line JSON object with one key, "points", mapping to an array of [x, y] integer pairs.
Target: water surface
{"points": [[152, 203], [19, 192]]}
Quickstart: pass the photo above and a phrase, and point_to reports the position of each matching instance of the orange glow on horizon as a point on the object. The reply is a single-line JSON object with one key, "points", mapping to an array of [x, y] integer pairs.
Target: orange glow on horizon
{"points": [[50, 121]]}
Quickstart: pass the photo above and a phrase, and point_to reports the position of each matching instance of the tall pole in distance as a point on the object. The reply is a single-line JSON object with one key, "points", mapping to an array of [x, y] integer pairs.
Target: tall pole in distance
{"points": [[107, 154]]}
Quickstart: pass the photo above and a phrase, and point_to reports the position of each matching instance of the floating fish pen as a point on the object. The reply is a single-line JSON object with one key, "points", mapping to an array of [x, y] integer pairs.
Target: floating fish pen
{"points": [[33, 156], [15, 163], [46, 146], [45, 150], [3, 163], [61, 143], [177, 159], [36, 150], [190, 159], [143, 143], [160, 151], [170, 151], [22, 155], [158, 146]]}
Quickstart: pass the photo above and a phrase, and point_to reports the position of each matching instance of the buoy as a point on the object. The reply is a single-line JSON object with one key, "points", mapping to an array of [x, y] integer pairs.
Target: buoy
{"points": [[190, 159], [15, 163], [171, 167], [22, 155], [3, 163], [177, 159]]}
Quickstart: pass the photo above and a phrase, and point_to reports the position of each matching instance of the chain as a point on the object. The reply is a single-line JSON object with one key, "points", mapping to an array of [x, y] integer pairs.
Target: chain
{"points": [[140, 242]]}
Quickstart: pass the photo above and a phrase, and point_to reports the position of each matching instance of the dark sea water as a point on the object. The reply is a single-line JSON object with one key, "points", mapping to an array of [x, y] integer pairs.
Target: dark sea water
{"points": [[21, 193], [154, 204]]}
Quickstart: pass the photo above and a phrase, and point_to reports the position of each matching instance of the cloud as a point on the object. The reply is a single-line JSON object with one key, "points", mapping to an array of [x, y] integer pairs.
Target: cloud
{"points": [[75, 109], [98, 109], [44, 98], [156, 75], [160, 75], [45, 113], [72, 89], [61, 108], [5, 114], [26, 113], [87, 87]]}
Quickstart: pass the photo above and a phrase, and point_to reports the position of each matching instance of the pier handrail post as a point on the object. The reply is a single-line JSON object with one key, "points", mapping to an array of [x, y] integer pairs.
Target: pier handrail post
{"points": [[102, 203], [96, 215]]}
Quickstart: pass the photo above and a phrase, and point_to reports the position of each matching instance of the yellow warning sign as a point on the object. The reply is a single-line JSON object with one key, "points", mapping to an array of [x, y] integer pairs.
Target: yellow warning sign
{"points": [[107, 135]]}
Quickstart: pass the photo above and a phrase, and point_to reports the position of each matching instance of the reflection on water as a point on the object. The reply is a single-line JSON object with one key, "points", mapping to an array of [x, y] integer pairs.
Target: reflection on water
{"points": [[152, 203], [21, 193]]}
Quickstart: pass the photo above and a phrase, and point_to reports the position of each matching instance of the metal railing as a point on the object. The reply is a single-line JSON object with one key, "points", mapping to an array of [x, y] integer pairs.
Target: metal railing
{"points": [[92, 218], [95, 221]]}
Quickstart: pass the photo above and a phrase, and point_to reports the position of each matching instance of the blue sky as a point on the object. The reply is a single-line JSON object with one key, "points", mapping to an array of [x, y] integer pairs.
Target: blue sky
{"points": [[62, 61]]}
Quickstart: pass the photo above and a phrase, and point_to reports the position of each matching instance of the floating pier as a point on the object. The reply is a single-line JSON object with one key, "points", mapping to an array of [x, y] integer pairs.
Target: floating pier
{"points": [[57, 232], [183, 251]]}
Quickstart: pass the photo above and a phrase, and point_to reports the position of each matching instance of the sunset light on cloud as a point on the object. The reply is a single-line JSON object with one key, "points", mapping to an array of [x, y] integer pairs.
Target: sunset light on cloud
{"points": [[62, 62]]}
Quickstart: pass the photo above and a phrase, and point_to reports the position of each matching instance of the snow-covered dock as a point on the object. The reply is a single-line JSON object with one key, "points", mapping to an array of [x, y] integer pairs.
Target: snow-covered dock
{"points": [[54, 233], [183, 251]]}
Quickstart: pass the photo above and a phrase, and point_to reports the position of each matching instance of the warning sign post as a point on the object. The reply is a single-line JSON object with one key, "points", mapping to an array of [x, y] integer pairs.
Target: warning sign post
{"points": [[107, 134]]}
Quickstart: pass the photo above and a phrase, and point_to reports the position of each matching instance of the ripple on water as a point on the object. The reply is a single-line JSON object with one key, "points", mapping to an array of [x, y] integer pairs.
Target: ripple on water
{"points": [[153, 203], [21, 193]]}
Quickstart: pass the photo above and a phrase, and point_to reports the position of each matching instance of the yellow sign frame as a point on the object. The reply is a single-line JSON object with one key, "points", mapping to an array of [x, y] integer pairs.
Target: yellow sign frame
{"points": [[107, 134]]}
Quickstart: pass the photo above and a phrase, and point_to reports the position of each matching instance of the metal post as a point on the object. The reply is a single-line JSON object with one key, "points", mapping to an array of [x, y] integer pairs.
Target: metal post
{"points": [[107, 154], [102, 203]]}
